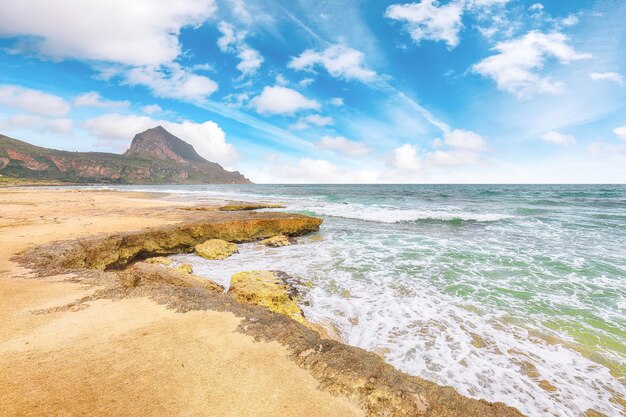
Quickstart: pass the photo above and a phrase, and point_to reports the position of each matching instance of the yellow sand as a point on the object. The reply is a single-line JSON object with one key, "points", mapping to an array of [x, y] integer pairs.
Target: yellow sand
{"points": [[129, 357]]}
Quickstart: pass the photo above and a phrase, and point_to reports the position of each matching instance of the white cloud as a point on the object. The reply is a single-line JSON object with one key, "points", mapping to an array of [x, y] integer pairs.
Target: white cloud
{"points": [[339, 60], [207, 138], [233, 41], [151, 109], [558, 138], [336, 101], [281, 80], [464, 147], [37, 123], [465, 140], [620, 132], [312, 120], [306, 82], [94, 99], [282, 100], [427, 20], [33, 101], [486, 3], [142, 33], [172, 81], [512, 68], [344, 146], [405, 158], [607, 76], [317, 171]]}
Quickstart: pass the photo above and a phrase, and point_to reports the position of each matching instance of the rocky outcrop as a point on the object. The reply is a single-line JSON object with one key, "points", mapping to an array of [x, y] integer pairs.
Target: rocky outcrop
{"points": [[118, 250], [155, 156], [143, 273], [216, 249], [276, 241], [267, 289]]}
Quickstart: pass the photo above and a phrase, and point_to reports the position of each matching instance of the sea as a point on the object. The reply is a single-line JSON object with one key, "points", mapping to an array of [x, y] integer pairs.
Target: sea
{"points": [[511, 293]]}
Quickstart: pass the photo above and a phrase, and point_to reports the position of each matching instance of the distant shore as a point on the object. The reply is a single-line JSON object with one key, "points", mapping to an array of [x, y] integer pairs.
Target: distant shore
{"points": [[75, 342]]}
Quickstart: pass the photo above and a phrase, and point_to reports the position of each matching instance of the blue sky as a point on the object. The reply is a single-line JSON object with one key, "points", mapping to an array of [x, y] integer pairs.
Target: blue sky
{"points": [[463, 91]]}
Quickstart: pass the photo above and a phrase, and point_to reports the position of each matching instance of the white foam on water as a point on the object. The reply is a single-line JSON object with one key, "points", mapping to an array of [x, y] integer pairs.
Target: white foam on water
{"points": [[396, 215], [385, 286], [425, 332]]}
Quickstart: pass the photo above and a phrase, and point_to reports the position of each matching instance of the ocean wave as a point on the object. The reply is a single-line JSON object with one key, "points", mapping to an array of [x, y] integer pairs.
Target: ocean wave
{"points": [[391, 215]]}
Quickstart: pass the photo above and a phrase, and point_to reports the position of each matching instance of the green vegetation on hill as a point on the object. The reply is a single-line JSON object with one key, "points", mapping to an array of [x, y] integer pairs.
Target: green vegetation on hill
{"points": [[155, 157]]}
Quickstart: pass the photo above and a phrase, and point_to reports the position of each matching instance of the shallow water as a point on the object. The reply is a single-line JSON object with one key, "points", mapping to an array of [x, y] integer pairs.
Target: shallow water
{"points": [[508, 293]]}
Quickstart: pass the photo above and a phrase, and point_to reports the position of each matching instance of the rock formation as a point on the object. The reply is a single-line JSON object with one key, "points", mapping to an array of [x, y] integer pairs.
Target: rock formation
{"points": [[267, 289], [215, 249], [276, 241]]}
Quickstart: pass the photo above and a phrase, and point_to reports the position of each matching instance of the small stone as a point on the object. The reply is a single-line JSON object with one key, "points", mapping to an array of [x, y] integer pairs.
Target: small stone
{"points": [[215, 249], [345, 294], [276, 241]]}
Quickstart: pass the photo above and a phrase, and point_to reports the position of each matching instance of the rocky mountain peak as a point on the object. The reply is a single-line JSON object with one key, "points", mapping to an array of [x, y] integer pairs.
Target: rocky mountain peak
{"points": [[158, 143]]}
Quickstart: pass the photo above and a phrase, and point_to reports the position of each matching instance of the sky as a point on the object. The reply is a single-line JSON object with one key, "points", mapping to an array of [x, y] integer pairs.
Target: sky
{"points": [[329, 91]]}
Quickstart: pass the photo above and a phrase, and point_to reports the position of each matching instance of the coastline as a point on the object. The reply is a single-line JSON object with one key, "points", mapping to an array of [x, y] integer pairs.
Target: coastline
{"points": [[160, 350]]}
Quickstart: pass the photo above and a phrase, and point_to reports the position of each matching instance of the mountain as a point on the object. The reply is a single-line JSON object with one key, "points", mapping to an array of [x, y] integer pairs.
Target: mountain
{"points": [[154, 157]]}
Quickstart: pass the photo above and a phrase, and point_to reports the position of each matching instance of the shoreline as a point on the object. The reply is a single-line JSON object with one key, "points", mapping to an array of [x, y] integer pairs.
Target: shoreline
{"points": [[335, 376]]}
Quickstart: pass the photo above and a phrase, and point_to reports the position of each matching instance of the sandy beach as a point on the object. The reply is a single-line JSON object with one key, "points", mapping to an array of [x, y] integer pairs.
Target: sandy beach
{"points": [[140, 353]]}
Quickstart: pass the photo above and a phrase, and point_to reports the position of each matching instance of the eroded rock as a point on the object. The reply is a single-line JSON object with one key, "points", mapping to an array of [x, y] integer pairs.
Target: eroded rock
{"points": [[276, 241], [143, 273], [216, 249], [266, 288]]}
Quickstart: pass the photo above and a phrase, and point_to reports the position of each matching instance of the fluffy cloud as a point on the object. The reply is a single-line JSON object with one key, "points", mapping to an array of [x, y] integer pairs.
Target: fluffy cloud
{"points": [[336, 101], [282, 100], [461, 147], [344, 146], [171, 81], [142, 33], [427, 20], [207, 138], [558, 138], [94, 99], [37, 123], [339, 60], [312, 120], [607, 76], [620, 132], [33, 101], [512, 67], [405, 158], [232, 41]]}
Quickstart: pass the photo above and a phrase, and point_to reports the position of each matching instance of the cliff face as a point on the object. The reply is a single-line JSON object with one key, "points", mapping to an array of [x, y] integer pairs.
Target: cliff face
{"points": [[155, 156]]}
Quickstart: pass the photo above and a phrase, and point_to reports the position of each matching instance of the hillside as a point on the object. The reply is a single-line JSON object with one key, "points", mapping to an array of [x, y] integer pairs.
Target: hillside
{"points": [[154, 157]]}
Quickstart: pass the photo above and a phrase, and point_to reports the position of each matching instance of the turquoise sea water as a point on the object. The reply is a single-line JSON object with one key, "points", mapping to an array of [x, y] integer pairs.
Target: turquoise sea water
{"points": [[508, 293]]}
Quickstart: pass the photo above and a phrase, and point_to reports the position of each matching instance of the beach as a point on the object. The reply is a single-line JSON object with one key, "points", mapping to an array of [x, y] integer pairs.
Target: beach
{"points": [[68, 348]]}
